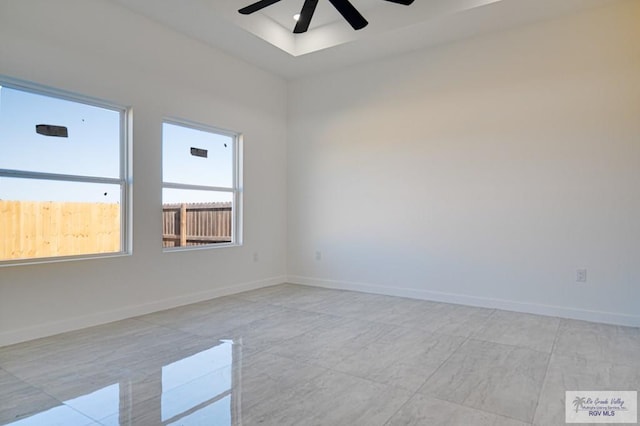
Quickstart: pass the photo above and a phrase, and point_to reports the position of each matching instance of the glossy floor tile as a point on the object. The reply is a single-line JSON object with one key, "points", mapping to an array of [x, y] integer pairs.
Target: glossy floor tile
{"points": [[423, 410], [511, 328], [295, 355], [405, 358], [333, 399], [18, 398], [599, 342], [496, 378]]}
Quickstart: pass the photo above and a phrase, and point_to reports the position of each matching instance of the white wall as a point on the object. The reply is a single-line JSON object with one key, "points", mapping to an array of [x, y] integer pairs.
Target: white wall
{"points": [[484, 172], [99, 49]]}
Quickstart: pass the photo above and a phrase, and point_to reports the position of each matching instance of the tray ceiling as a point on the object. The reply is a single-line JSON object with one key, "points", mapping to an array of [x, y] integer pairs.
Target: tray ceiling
{"points": [[265, 38]]}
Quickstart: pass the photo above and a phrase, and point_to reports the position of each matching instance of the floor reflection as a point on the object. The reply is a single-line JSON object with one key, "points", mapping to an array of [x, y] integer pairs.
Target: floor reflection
{"points": [[197, 385], [202, 388]]}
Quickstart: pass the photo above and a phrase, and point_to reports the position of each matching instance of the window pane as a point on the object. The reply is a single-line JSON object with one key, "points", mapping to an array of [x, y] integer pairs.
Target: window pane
{"points": [[196, 157], [195, 218], [92, 147], [52, 218]]}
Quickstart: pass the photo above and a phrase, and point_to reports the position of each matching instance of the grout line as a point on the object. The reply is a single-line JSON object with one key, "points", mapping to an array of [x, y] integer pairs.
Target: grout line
{"points": [[417, 391], [400, 408], [29, 414], [546, 372], [478, 409]]}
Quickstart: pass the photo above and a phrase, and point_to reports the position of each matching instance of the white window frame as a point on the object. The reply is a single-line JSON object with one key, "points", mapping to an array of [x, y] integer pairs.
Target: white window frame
{"points": [[124, 180], [236, 189]]}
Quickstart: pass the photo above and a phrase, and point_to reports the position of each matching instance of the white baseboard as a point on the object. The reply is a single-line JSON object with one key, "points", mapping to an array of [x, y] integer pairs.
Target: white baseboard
{"points": [[484, 302], [52, 328]]}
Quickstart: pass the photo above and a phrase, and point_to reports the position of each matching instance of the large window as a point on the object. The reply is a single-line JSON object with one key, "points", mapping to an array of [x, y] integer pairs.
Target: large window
{"points": [[63, 175], [201, 195]]}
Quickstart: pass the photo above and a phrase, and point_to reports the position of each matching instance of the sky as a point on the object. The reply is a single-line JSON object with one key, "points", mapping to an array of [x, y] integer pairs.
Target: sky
{"points": [[93, 149], [179, 166]]}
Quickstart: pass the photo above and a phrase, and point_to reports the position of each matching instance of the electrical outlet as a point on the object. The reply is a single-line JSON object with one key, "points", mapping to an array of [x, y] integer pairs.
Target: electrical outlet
{"points": [[256, 258], [581, 275], [318, 255]]}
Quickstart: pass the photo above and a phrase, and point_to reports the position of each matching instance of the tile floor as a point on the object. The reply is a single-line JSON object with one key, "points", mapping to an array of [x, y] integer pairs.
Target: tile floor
{"points": [[294, 355]]}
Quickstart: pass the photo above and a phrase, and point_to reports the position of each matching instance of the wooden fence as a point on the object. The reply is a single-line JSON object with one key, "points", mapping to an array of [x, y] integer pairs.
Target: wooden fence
{"points": [[196, 224], [31, 229]]}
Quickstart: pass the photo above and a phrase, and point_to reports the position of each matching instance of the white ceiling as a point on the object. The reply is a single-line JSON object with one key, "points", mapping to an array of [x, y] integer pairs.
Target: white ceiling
{"points": [[265, 38]]}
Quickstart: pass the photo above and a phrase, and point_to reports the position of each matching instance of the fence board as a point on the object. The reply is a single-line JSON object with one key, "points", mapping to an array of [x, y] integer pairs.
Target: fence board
{"points": [[32, 229], [196, 224]]}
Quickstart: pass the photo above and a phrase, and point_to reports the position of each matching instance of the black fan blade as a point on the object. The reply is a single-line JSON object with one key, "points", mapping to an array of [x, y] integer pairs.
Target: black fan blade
{"points": [[305, 16], [350, 13], [257, 6], [404, 2]]}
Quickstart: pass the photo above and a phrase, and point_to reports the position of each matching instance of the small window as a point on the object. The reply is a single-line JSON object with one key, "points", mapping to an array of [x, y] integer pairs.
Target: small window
{"points": [[201, 193], [63, 185]]}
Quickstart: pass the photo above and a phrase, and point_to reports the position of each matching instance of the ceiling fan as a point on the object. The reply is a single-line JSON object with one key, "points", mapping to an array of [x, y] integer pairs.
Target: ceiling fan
{"points": [[346, 9]]}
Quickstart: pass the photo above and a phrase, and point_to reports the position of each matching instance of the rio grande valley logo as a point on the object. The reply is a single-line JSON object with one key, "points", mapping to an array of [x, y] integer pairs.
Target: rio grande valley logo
{"points": [[601, 406]]}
